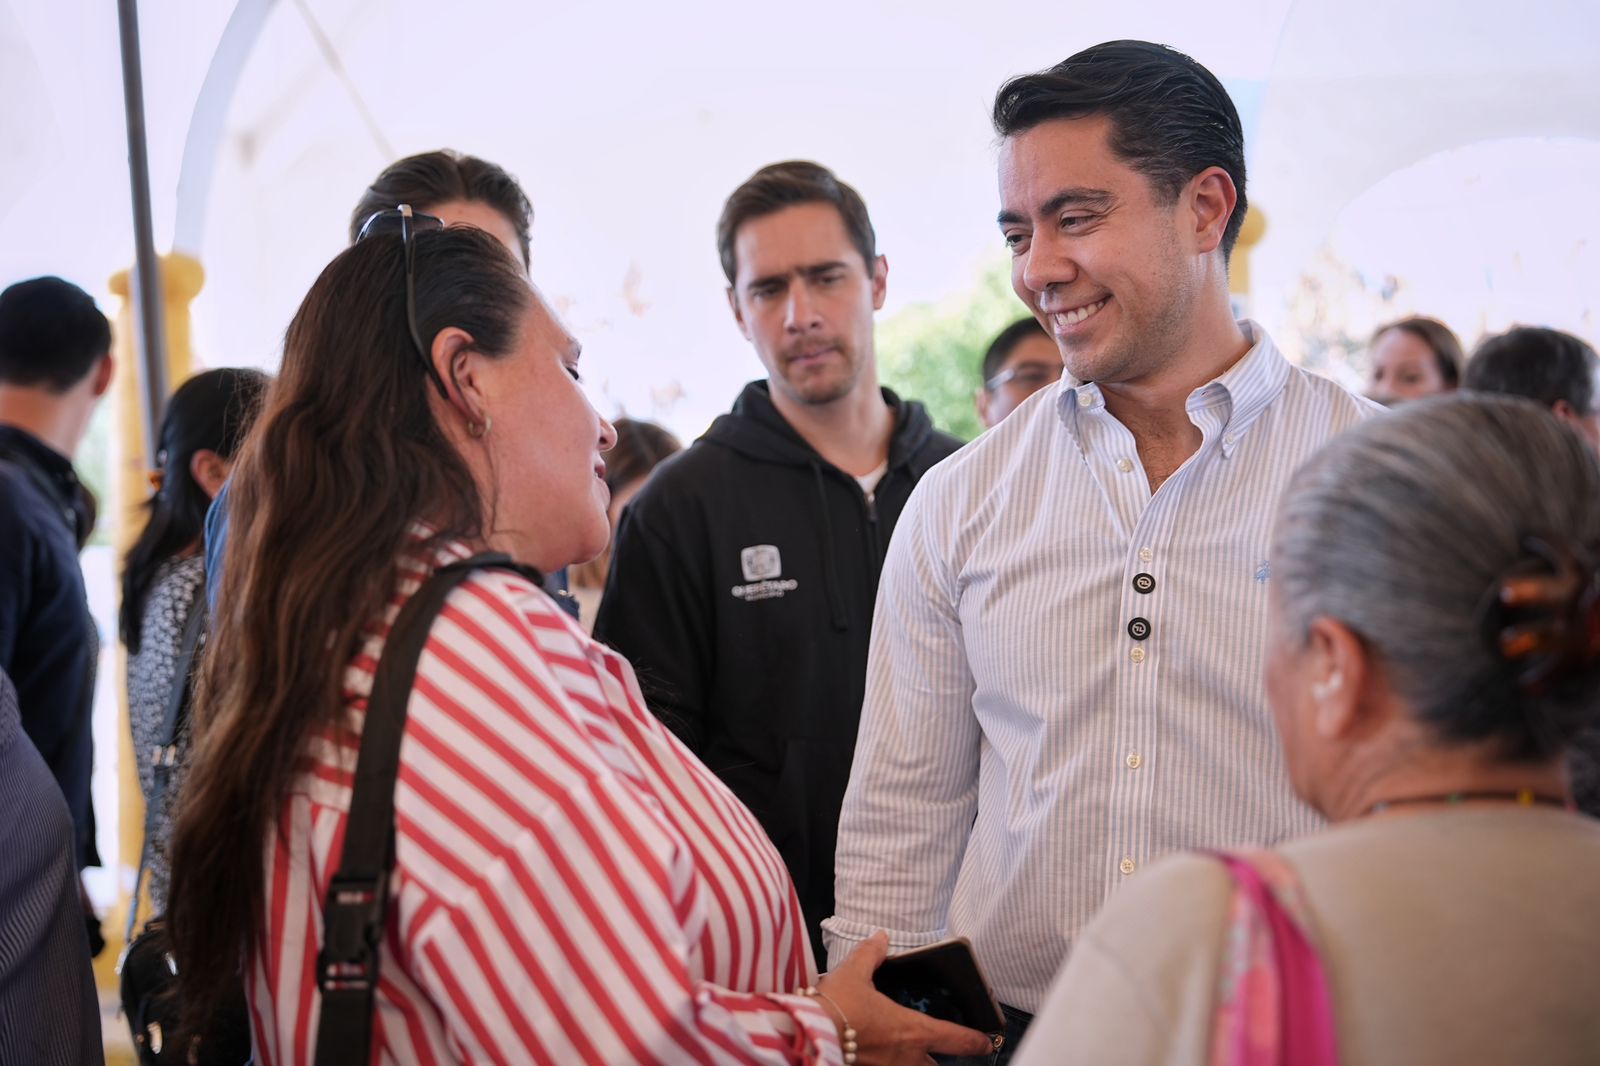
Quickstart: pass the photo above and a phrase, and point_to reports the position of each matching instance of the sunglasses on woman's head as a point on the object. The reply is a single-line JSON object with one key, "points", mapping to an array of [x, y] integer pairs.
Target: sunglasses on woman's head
{"points": [[404, 221]]}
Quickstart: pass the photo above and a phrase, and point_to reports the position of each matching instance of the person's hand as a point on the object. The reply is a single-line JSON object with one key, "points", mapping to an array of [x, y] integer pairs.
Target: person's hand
{"points": [[887, 1033]]}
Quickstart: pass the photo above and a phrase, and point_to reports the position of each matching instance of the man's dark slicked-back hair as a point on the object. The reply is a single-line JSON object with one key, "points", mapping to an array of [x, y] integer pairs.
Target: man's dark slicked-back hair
{"points": [[435, 178], [1006, 341], [1542, 364], [1170, 117], [51, 334], [773, 188]]}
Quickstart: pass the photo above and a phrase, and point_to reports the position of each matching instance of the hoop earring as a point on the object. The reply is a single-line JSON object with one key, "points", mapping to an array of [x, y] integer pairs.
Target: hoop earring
{"points": [[479, 430]]}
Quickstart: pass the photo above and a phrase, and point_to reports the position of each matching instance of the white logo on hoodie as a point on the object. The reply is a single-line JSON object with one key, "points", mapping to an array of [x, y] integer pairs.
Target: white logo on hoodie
{"points": [[762, 567], [761, 562]]}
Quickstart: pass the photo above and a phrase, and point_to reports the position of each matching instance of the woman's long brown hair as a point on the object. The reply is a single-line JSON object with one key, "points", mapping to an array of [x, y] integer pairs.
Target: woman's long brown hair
{"points": [[345, 456]]}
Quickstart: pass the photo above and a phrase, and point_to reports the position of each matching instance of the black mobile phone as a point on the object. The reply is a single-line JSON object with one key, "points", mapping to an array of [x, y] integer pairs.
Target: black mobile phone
{"points": [[942, 980]]}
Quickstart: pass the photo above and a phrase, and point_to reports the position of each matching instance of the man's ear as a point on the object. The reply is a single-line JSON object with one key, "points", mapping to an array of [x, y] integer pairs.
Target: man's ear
{"points": [[1342, 672], [738, 312], [880, 281], [102, 374], [980, 400], [1584, 424], [459, 365], [1213, 199]]}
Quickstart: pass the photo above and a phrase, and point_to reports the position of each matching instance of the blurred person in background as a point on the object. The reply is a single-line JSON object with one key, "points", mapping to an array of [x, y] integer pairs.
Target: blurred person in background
{"points": [[163, 577], [1554, 368], [55, 365], [1432, 654], [1021, 360], [743, 576], [1412, 358], [570, 884], [49, 1013], [1559, 371], [640, 447], [463, 190]]}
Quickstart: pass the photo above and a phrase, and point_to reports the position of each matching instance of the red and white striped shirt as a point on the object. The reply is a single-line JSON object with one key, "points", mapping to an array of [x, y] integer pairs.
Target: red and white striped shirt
{"points": [[571, 884]]}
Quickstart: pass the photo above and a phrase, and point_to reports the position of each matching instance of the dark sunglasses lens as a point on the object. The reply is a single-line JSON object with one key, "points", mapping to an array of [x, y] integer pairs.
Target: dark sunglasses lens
{"points": [[393, 222], [381, 224]]}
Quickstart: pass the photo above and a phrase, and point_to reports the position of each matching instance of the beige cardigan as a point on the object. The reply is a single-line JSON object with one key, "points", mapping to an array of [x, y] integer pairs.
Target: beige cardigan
{"points": [[1451, 936]]}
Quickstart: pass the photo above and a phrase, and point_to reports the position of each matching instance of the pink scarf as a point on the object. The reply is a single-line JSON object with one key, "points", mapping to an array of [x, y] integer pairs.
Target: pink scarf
{"points": [[1273, 1005]]}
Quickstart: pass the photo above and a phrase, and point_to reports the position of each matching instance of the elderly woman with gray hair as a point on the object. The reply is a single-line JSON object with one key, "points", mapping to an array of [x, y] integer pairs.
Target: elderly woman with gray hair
{"points": [[1435, 650]]}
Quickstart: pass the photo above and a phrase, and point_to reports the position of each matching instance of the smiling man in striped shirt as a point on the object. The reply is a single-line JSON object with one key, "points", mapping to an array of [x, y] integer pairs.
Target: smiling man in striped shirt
{"points": [[1064, 679]]}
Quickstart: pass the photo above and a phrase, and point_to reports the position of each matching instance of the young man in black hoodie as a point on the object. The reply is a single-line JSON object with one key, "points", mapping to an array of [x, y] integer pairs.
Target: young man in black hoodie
{"points": [[743, 575]]}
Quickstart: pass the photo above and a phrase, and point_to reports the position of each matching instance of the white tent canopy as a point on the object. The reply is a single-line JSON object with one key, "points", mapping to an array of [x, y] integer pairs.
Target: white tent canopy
{"points": [[629, 124]]}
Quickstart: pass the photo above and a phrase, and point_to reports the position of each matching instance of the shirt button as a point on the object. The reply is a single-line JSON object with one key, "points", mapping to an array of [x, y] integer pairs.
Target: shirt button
{"points": [[1137, 655], [1134, 760], [1125, 465], [1139, 628], [1145, 555], [1085, 400], [1126, 866], [1143, 583], [1228, 439]]}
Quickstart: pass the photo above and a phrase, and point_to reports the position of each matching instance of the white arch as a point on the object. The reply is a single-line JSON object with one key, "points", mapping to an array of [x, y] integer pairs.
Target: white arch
{"points": [[209, 119], [1357, 94]]}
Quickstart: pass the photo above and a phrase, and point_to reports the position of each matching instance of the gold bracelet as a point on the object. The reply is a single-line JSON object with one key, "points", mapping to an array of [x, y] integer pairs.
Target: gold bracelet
{"points": [[847, 1033]]}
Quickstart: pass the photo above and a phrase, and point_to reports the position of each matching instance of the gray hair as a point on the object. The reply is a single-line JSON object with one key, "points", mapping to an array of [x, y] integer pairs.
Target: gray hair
{"points": [[1400, 528]]}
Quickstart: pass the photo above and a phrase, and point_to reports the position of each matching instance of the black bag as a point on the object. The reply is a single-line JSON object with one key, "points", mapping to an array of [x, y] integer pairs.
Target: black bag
{"points": [[354, 912], [147, 968]]}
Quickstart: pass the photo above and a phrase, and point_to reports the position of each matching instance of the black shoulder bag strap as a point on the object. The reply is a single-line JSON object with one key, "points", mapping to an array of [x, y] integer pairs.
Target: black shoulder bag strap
{"points": [[354, 912], [165, 753]]}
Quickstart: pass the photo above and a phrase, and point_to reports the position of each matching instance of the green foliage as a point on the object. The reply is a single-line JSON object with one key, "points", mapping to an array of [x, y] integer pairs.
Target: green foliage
{"points": [[933, 352], [94, 466]]}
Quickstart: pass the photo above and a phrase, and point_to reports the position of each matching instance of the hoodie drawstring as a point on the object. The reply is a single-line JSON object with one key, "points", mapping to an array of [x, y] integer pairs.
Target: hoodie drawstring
{"points": [[835, 594]]}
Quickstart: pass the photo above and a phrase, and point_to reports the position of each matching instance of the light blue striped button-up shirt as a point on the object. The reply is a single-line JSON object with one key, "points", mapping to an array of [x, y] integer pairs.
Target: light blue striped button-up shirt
{"points": [[1065, 676]]}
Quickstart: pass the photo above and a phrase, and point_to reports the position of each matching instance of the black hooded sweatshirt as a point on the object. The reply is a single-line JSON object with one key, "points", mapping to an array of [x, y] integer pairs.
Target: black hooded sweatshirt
{"points": [[741, 588]]}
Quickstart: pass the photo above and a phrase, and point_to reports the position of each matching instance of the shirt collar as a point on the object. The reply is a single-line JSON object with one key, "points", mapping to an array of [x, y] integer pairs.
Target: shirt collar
{"points": [[424, 545], [1244, 390], [53, 473], [49, 461]]}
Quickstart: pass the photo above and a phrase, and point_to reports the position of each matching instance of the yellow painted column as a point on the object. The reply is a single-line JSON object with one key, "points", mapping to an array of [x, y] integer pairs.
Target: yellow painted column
{"points": [[181, 280], [1250, 234]]}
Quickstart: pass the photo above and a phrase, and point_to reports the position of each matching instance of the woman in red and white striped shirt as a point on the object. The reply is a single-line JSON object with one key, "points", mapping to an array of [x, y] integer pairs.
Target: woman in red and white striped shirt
{"points": [[571, 884]]}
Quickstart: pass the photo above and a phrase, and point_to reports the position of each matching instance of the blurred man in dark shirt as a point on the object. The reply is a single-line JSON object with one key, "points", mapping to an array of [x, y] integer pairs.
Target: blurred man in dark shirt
{"points": [[55, 364]]}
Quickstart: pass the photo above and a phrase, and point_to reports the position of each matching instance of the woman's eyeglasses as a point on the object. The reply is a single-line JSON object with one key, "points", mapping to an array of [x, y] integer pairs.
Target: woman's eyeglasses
{"points": [[404, 221]]}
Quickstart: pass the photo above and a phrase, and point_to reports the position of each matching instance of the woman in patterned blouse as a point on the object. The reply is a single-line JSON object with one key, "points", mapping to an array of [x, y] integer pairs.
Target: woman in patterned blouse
{"points": [[205, 422], [571, 884]]}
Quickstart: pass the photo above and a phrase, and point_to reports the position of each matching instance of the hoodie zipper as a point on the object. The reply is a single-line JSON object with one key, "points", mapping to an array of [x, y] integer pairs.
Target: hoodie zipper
{"points": [[874, 533]]}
